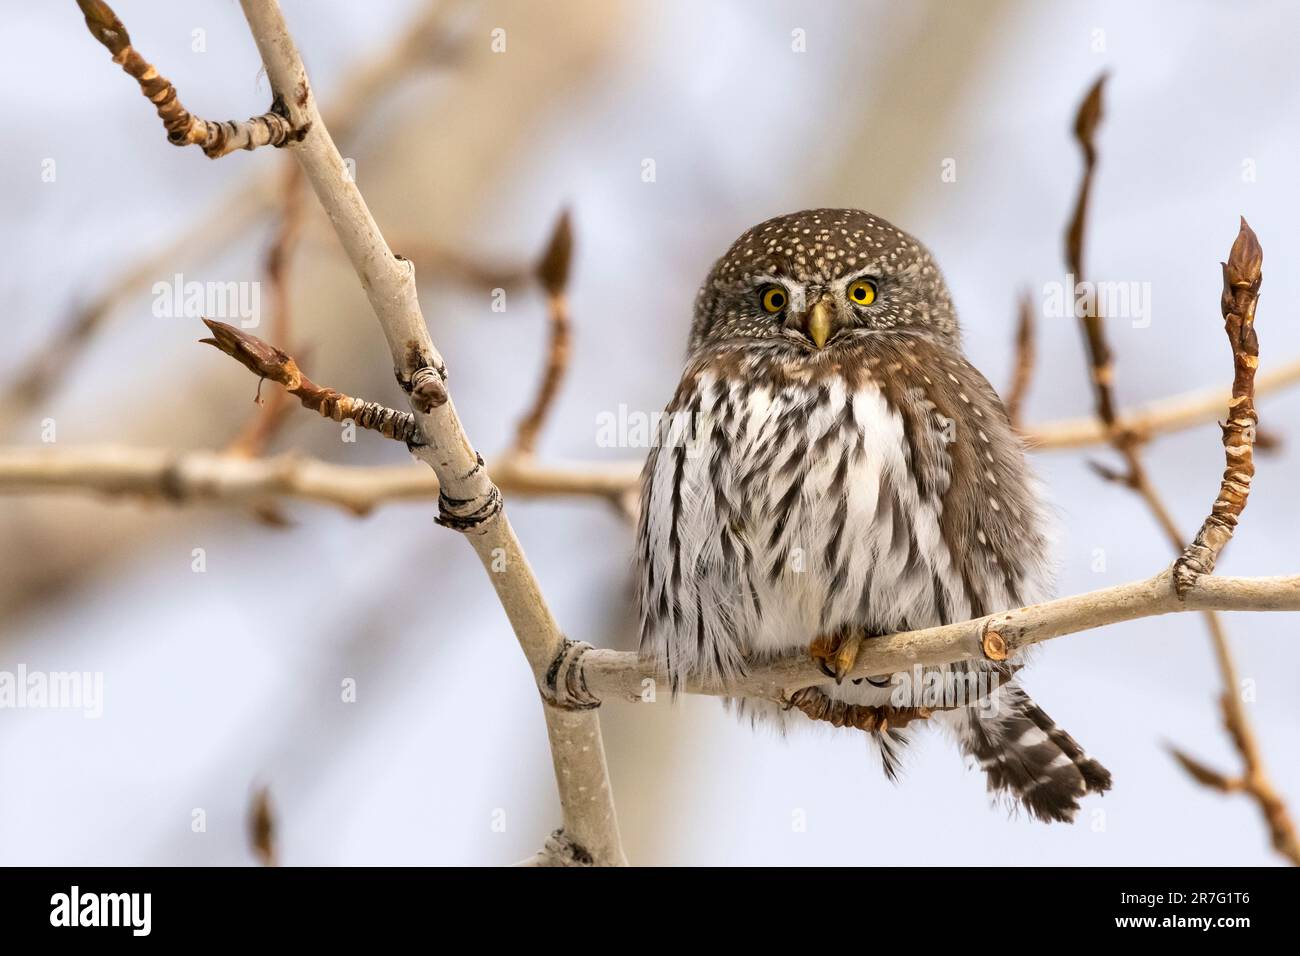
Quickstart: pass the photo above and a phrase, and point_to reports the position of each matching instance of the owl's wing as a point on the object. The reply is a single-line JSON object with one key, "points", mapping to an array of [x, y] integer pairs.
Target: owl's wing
{"points": [[965, 456]]}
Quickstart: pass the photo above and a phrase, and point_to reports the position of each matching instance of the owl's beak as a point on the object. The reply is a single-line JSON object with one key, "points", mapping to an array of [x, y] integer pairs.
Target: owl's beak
{"points": [[819, 323]]}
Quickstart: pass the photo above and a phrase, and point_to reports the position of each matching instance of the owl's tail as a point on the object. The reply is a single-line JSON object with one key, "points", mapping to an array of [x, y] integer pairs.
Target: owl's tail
{"points": [[1026, 756]]}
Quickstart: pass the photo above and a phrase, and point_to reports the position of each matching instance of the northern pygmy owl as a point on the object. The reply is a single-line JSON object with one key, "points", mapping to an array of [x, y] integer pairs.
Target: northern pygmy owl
{"points": [[832, 468]]}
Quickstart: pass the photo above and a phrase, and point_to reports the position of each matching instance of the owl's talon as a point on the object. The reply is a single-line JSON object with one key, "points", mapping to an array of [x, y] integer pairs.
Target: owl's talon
{"points": [[822, 650], [836, 654], [846, 656]]}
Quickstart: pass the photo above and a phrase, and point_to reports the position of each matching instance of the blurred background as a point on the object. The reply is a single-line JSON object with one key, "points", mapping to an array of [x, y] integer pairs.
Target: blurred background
{"points": [[220, 683]]}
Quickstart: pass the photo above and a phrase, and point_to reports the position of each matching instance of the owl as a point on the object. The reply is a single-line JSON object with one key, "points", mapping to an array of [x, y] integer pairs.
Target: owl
{"points": [[832, 468]]}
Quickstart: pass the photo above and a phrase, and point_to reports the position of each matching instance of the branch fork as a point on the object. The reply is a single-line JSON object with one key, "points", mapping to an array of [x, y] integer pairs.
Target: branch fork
{"points": [[577, 751], [215, 138]]}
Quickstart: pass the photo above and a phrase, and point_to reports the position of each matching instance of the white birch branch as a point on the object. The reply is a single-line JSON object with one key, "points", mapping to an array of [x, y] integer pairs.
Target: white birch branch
{"points": [[613, 675], [469, 501], [185, 477]]}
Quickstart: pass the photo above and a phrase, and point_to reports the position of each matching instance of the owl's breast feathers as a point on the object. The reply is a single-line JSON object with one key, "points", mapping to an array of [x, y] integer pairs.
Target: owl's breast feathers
{"points": [[877, 484]]}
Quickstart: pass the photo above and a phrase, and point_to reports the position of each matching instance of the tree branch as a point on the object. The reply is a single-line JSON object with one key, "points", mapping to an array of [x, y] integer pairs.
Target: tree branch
{"points": [[1102, 366], [419, 43], [468, 500], [1241, 279], [1242, 276], [262, 426], [173, 477], [1022, 373], [267, 361], [553, 274], [1162, 417], [618, 675], [261, 827], [272, 128]]}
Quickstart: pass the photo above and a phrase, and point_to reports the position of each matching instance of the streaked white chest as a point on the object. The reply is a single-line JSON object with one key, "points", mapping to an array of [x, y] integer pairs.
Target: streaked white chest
{"points": [[819, 495]]}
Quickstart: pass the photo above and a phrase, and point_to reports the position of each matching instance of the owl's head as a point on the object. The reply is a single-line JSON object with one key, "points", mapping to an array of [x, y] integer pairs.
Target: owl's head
{"points": [[817, 279]]}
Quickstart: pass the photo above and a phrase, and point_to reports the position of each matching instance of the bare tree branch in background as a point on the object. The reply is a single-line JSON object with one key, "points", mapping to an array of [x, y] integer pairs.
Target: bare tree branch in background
{"points": [[172, 477], [1022, 372], [261, 827], [271, 415], [553, 274], [1163, 417], [1102, 366]]}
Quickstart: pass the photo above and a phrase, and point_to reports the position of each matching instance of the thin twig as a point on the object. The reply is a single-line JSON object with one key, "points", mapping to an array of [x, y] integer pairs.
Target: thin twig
{"points": [[1207, 776], [1242, 275], [261, 827], [553, 274], [1023, 372], [216, 139], [267, 361], [267, 420], [1101, 367], [1097, 349]]}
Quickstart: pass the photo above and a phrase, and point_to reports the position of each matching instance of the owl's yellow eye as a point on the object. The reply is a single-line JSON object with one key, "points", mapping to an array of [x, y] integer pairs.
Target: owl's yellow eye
{"points": [[862, 292], [773, 299]]}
